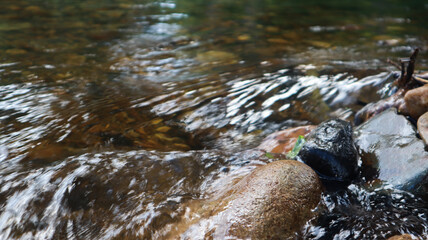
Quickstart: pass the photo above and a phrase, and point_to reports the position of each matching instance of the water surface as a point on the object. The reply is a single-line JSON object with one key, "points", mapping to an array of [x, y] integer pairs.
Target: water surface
{"points": [[116, 116]]}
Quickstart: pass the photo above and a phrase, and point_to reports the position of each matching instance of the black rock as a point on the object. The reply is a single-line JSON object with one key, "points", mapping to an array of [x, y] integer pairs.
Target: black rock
{"points": [[331, 152]]}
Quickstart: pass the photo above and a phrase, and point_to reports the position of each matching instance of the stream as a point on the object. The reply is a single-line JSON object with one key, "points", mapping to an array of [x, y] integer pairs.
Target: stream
{"points": [[118, 116]]}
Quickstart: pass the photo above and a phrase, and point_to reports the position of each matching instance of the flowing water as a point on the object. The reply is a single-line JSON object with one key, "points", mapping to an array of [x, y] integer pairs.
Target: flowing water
{"points": [[117, 115]]}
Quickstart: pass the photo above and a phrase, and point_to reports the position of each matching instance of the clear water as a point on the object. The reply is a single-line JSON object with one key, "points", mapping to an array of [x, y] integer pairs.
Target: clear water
{"points": [[116, 116]]}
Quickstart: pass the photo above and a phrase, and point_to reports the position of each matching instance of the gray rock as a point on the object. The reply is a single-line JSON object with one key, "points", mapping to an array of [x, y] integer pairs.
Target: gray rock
{"points": [[331, 152], [391, 152]]}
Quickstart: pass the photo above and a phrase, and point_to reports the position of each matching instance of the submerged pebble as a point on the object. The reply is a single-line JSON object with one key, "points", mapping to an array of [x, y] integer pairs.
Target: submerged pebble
{"points": [[217, 57], [284, 141]]}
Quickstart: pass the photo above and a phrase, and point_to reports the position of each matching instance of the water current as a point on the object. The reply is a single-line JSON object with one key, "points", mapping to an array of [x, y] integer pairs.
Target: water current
{"points": [[118, 116]]}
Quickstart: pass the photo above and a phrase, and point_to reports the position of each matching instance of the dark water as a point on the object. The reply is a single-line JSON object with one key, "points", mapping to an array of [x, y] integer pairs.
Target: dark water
{"points": [[116, 116]]}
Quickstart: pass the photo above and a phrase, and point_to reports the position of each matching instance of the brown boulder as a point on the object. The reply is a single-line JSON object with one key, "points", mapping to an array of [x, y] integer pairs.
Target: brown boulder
{"points": [[284, 141], [273, 202], [401, 237], [423, 127], [415, 102]]}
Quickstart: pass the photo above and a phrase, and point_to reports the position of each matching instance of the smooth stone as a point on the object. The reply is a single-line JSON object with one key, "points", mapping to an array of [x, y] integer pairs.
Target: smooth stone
{"points": [[244, 37], [402, 237], [16, 51], [87, 192], [423, 127], [283, 141], [391, 152], [389, 124], [46, 153], [273, 202], [278, 41], [416, 101], [331, 152], [320, 44], [217, 57]]}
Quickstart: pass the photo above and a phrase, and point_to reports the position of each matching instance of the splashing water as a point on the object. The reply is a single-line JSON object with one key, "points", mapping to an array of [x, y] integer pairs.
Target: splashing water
{"points": [[118, 119]]}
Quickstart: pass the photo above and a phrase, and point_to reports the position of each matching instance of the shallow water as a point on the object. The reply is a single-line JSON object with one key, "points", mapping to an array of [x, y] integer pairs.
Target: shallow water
{"points": [[115, 117]]}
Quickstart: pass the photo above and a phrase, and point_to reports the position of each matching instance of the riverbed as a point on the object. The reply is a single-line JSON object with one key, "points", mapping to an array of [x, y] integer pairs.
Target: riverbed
{"points": [[118, 116]]}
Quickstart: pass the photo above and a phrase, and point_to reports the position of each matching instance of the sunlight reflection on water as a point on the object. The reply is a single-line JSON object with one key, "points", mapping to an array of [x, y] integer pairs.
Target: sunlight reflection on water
{"points": [[118, 118]]}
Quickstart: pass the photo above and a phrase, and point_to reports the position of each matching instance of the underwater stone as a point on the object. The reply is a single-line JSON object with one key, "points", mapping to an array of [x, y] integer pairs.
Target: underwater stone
{"points": [[284, 141], [331, 152]]}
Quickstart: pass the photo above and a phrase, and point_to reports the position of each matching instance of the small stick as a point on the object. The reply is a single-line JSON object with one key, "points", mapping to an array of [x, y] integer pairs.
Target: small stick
{"points": [[393, 64], [420, 79], [401, 82], [411, 66]]}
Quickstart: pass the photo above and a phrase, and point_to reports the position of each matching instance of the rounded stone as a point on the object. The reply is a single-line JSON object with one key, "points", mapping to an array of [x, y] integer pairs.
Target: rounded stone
{"points": [[401, 237], [416, 101], [273, 202], [423, 127], [331, 152]]}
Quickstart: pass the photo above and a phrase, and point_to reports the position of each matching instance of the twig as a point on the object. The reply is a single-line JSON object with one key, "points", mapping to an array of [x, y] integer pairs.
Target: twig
{"points": [[420, 79], [393, 64], [406, 78], [411, 66]]}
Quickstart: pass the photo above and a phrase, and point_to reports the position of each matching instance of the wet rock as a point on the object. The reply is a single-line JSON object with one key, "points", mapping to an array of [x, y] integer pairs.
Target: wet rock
{"points": [[17, 26], [415, 102], [34, 11], [91, 192], [113, 13], [46, 153], [391, 152], [278, 41], [217, 57], [272, 29], [283, 141], [244, 37], [88, 192], [311, 107], [373, 109], [16, 51], [410, 99], [401, 237], [75, 59], [423, 127], [412, 103], [386, 40], [319, 44], [273, 202], [331, 152]]}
